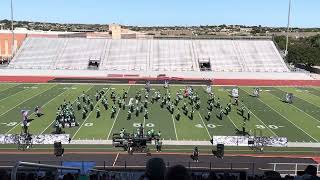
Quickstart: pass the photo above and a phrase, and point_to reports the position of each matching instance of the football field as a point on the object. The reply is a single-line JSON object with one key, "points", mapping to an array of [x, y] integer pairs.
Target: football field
{"points": [[299, 121]]}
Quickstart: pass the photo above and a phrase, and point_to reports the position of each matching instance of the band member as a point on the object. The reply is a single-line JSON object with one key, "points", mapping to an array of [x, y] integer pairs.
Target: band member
{"points": [[244, 128], [158, 145], [178, 114], [113, 111], [208, 115], [195, 155], [37, 111], [98, 112], [141, 130]]}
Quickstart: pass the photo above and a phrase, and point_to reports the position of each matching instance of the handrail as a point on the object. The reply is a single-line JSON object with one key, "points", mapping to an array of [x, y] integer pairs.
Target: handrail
{"points": [[47, 166], [295, 168]]}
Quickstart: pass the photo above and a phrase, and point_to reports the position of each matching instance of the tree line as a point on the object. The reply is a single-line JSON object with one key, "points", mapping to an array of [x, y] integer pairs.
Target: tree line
{"points": [[301, 50]]}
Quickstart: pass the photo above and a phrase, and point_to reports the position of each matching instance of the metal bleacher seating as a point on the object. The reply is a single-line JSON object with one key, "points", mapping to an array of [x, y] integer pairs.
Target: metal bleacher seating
{"points": [[78, 52], [150, 54], [37, 53], [172, 55], [126, 54]]}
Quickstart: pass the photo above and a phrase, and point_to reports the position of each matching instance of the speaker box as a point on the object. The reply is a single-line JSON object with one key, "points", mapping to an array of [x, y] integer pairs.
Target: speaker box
{"points": [[220, 150], [250, 142]]}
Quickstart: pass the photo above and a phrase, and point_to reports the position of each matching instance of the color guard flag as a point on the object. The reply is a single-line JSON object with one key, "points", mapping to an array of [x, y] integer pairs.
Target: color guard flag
{"points": [[235, 92], [24, 114]]}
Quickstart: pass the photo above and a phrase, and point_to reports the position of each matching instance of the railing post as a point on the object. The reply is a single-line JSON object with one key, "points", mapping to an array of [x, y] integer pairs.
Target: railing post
{"points": [[60, 165], [104, 165], [39, 167], [82, 166], [231, 166], [253, 170], [274, 167], [189, 164], [296, 169], [125, 164], [317, 169]]}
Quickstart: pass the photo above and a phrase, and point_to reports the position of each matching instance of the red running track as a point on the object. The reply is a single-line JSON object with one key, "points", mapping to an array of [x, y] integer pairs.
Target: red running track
{"points": [[263, 82], [26, 79], [227, 82]]}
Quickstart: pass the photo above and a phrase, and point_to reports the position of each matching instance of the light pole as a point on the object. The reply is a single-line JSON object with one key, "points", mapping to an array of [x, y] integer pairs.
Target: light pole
{"points": [[12, 30], [288, 28]]}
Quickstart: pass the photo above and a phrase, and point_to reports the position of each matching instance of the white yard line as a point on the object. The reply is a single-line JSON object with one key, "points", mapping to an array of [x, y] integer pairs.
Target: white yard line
{"points": [[8, 88], [299, 109], [173, 120], [300, 97], [288, 120], [13, 94], [115, 160], [203, 121], [144, 122], [204, 125], [33, 112], [72, 103], [259, 118], [316, 89], [227, 115], [310, 101], [232, 122], [144, 125], [174, 126], [115, 119], [97, 104]]}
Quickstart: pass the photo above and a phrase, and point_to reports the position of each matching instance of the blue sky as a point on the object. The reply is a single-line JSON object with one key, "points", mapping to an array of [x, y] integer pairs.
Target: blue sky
{"points": [[305, 13]]}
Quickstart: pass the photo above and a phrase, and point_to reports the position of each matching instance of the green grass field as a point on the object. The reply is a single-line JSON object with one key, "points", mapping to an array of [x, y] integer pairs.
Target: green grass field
{"points": [[299, 122]]}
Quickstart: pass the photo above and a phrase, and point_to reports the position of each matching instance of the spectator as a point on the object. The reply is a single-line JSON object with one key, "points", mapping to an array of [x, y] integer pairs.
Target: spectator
{"points": [[272, 175], [4, 175], [155, 170], [178, 172], [30, 176], [68, 177], [288, 177], [310, 173], [299, 175], [212, 176]]}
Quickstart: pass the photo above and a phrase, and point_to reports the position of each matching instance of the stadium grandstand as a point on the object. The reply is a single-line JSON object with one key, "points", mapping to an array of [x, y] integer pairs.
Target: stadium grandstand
{"points": [[150, 55]]}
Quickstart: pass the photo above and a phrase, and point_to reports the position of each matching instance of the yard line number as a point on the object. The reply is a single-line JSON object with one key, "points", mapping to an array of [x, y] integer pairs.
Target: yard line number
{"points": [[259, 126], [208, 125], [88, 124], [10, 124], [150, 125]]}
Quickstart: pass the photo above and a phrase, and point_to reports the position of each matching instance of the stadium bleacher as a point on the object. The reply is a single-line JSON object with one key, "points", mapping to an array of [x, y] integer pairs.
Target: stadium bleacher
{"points": [[172, 55], [38, 53], [126, 55], [78, 51], [150, 55]]}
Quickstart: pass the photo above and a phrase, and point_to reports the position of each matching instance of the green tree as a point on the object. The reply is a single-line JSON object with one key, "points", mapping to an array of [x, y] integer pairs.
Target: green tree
{"points": [[303, 53], [280, 41]]}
